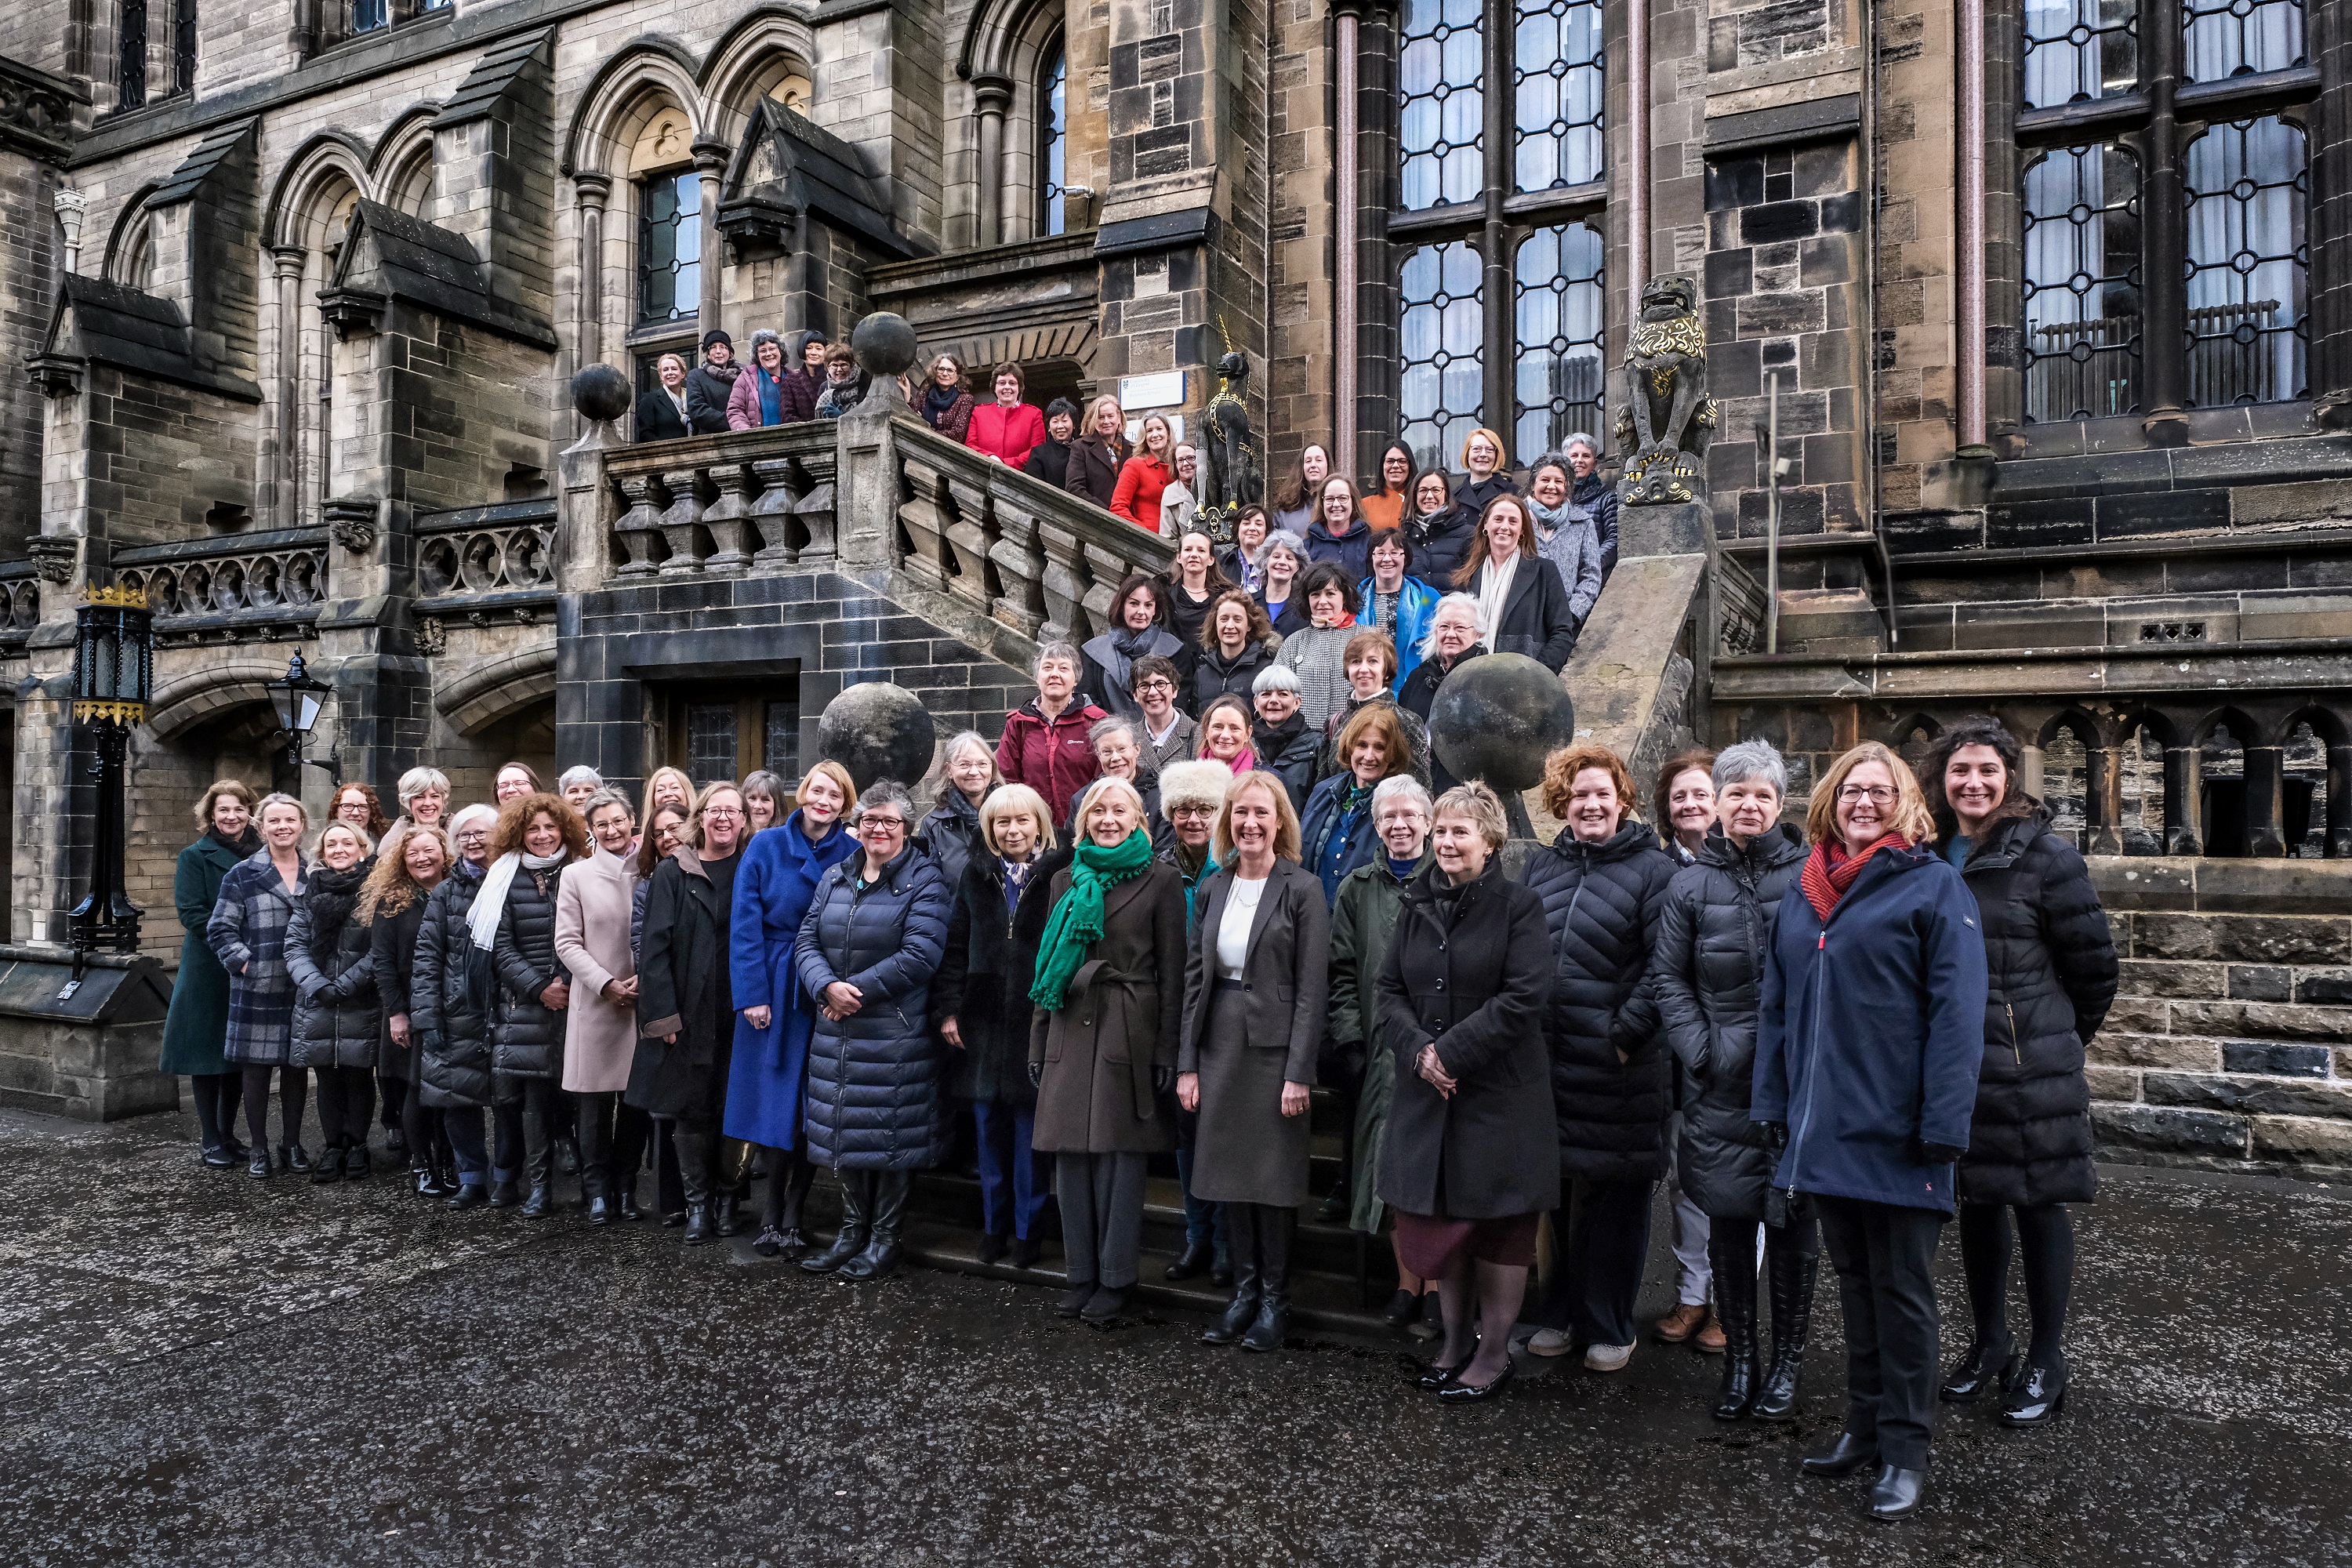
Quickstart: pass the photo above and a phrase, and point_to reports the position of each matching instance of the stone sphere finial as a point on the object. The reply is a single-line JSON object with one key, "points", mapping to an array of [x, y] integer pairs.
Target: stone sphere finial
{"points": [[878, 730], [885, 345], [600, 393], [1497, 717]]}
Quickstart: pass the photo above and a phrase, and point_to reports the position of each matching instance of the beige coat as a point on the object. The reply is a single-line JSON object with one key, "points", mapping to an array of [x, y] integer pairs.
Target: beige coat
{"points": [[592, 942]]}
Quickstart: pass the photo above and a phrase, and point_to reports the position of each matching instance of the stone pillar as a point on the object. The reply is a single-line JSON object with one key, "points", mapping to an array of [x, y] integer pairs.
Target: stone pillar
{"points": [[1347, 24], [590, 191], [2184, 781], [2032, 766], [286, 465], [992, 96], [2160, 191], [710, 162], [2339, 801], [2265, 771], [2103, 797]]}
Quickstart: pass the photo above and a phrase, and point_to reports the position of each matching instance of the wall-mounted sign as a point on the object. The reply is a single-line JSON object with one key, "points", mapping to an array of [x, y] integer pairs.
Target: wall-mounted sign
{"points": [[1165, 390]]}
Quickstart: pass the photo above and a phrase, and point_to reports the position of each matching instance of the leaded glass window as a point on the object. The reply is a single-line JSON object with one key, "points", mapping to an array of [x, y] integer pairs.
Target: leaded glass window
{"points": [[2082, 316], [183, 46], [1560, 376], [1054, 142], [2236, 38], [1439, 358], [1441, 102], [1558, 59], [131, 77], [2249, 261], [367, 15], [2077, 50], [669, 247]]}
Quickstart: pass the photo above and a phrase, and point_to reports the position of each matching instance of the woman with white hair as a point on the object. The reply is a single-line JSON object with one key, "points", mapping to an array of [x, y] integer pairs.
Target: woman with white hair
{"points": [[577, 784], [448, 1017], [424, 798], [1102, 1047], [1456, 634], [950, 834], [1713, 935], [1591, 498]]}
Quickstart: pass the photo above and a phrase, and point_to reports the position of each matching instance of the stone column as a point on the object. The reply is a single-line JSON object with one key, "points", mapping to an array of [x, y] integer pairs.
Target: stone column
{"points": [[992, 96], [710, 162], [2103, 797], [286, 468], [2339, 801], [1347, 22], [592, 191], [2265, 773], [2184, 781]]}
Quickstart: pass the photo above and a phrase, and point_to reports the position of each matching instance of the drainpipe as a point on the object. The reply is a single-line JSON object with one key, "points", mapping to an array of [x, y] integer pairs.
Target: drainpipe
{"points": [[1637, 136], [1969, 20], [1347, 22]]}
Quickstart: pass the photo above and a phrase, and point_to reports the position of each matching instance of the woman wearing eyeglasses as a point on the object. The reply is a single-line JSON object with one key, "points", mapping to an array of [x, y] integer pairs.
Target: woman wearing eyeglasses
{"points": [[1866, 1056], [875, 931]]}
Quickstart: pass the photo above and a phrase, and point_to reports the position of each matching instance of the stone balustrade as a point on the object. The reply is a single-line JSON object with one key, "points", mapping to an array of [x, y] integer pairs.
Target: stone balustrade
{"points": [[727, 506], [249, 581], [996, 541]]}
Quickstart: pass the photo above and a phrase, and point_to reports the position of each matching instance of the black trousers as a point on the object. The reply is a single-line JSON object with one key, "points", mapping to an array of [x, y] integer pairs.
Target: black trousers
{"points": [[611, 1143], [293, 1090], [1603, 1236], [346, 1101], [420, 1125], [1885, 1261]]}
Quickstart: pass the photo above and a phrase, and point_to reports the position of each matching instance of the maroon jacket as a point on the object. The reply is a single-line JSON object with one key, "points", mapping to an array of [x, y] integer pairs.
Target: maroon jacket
{"points": [[1051, 756], [799, 396]]}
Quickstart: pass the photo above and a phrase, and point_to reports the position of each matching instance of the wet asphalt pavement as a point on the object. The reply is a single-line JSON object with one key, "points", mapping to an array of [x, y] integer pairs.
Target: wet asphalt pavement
{"points": [[199, 1368]]}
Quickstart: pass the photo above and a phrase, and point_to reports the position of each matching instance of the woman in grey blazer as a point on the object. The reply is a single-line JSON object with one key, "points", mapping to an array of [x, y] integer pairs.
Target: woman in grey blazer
{"points": [[1253, 997]]}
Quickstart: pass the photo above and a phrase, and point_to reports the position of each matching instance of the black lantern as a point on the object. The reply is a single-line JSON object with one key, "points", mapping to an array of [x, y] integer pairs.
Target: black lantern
{"points": [[298, 700], [114, 675]]}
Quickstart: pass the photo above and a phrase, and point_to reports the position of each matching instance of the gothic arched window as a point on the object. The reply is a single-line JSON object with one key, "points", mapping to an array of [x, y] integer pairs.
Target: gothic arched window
{"points": [[1052, 139]]}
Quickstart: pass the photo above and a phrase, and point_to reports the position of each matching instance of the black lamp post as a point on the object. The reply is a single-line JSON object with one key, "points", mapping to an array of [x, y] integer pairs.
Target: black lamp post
{"points": [[114, 675], [298, 700]]}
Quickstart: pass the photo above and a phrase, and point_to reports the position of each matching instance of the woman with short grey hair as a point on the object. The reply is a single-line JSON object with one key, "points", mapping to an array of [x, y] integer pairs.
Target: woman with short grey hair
{"points": [[423, 794], [1713, 935], [968, 776], [1592, 497]]}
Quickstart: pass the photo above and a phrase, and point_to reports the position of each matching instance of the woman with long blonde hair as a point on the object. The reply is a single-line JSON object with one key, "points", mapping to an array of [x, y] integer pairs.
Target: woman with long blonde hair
{"points": [[413, 862]]}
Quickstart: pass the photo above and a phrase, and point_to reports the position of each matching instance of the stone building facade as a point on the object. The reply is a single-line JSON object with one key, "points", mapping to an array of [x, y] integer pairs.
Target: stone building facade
{"points": [[2044, 309]]}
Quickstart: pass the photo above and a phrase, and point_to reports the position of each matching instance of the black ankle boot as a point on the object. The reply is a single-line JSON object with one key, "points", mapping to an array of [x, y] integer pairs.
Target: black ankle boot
{"points": [[626, 1205], [2038, 1399], [355, 1162], [257, 1165], [1733, 1261], [726, 1213], [880, 1257], [327, 1168], [1984, 1367], [540, 1204], [850, 1240], [599, 1210], [294, 1157], [699, 1229], [1792, 1315], [469, 1196]]}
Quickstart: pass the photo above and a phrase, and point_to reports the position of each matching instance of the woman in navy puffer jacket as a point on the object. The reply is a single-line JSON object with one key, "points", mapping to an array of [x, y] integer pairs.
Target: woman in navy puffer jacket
{"points": [[1866, 1054], [875, 931]]}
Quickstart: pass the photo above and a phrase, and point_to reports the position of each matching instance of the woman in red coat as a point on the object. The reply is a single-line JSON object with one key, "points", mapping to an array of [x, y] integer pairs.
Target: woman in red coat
{"points": [[1007, 429], [1145, 474]]}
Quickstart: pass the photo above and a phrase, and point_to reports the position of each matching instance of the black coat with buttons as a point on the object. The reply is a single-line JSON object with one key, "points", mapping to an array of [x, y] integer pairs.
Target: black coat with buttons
{"points": [[1470, 972]]}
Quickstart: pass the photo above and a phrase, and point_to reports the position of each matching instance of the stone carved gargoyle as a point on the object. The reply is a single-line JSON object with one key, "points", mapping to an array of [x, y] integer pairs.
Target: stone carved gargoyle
{"points": [[1668, 419]]}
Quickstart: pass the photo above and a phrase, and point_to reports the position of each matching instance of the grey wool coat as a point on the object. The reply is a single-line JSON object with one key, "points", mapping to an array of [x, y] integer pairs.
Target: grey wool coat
{"points": [[1247, 1151], [1118, 1022], [247, 935]]}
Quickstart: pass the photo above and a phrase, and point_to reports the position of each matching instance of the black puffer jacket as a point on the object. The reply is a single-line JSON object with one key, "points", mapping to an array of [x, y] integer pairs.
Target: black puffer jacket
{"points": [[391, 939], [950, 836], [527, 1036], [875, 1083], [1211, 675], [1707, 972], [1601, 904], [983, 982], [445, 997], [2052, 964], [333, 971]]}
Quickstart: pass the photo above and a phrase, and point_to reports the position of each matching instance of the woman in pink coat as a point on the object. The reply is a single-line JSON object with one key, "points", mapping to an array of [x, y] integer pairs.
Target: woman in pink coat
{"points": [[761, 390], [593, 904]]}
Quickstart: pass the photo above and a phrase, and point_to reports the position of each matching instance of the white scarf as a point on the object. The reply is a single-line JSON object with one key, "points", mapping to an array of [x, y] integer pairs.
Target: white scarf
{"points": [[490, 903], [1494, 591]]}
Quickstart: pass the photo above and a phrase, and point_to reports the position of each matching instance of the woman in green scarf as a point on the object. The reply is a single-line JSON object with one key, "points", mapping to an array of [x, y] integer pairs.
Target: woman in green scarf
{"points": [[1102, 1051]]}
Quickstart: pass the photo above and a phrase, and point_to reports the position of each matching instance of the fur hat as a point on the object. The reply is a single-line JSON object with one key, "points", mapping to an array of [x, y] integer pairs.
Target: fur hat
{"points": [[1193, 784]]}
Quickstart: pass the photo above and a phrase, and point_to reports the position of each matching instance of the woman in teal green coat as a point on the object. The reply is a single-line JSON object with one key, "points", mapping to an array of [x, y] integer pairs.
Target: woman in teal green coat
{"points": [[198, 1021]]}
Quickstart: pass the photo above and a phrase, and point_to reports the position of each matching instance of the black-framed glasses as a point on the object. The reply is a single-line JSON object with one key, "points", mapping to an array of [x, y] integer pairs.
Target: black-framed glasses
{"points": [[1878, 794]]}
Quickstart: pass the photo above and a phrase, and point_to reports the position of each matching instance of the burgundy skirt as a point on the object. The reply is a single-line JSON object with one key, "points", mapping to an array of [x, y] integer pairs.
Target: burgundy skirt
{"points": [[1430, 1245]]}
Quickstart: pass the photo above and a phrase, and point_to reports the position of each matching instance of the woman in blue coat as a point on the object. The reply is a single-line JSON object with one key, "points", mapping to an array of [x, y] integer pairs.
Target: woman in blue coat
{"points": [[1867, 1048], [875, 931], [197, 1025], [774, 1016]]}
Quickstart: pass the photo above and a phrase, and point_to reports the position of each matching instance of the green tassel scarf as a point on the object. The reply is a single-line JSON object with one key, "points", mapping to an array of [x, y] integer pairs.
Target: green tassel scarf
{"points": [[1076, 922]]}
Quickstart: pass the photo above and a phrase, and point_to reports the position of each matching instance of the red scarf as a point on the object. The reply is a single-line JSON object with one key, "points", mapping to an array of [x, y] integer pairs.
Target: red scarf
{"points": [[1830, 871]]}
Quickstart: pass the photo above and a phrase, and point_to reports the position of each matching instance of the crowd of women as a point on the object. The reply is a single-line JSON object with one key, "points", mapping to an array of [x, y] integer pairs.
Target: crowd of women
{"points": [[1836, 1033]]}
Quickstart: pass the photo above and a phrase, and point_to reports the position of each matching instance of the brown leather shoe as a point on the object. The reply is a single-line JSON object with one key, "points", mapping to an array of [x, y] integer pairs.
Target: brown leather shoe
{"points": [[1710, 1339], [1681, 1323]]}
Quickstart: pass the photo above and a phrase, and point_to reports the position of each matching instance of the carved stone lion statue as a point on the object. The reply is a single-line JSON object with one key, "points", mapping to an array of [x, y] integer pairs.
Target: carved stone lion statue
{"points": [[1668, 419]]}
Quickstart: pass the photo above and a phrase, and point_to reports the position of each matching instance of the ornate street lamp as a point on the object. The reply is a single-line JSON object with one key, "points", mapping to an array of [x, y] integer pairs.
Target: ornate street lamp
{"points": [[298, 700], [114, 675]]}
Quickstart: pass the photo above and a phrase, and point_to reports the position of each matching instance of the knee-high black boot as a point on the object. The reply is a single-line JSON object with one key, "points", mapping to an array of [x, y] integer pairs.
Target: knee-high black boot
{"points": [[1275, 1226], [1241, 1226], [1731, 1258], [856, 1211], [1790, 1261], [880, 1257]]}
